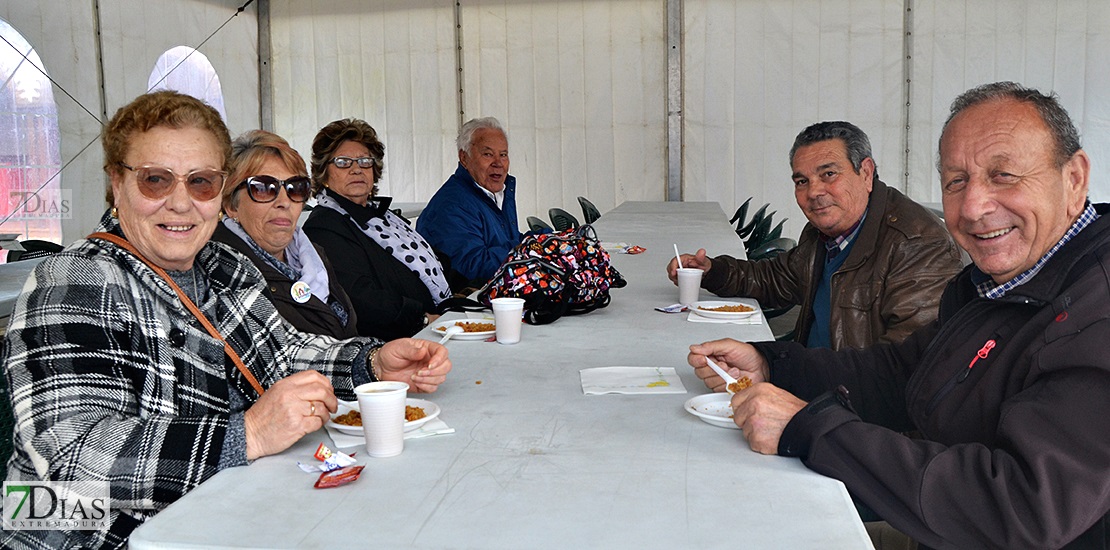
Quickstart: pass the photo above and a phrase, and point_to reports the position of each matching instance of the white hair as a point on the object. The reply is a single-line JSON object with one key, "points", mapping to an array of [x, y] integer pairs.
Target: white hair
{"points": [[466, 137]]}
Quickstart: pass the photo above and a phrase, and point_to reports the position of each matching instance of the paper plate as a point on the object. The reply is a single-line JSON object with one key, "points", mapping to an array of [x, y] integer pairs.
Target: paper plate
{"points": [[440, 328], [713, 408], [431, 410], [708, 312]]}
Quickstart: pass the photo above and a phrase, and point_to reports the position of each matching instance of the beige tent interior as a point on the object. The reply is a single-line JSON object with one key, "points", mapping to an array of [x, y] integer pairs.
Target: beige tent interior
{"points": [[616, 100]]}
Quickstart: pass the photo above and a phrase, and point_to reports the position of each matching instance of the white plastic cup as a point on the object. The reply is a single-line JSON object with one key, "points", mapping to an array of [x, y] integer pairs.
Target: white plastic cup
{"points": [[508, 316], [689, 284], [382, 405]]}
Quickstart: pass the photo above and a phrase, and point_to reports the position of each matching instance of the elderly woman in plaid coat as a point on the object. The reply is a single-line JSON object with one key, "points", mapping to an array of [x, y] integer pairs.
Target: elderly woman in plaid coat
{"points": [[114, 380]]}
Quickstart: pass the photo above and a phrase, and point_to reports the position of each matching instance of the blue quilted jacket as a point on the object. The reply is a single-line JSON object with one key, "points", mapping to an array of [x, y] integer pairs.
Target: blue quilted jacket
{"points": [[466, 225]]}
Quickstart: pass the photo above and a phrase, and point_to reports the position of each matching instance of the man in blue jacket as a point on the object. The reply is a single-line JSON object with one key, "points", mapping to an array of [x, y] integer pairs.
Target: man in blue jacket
{"points": [[472, 218]]}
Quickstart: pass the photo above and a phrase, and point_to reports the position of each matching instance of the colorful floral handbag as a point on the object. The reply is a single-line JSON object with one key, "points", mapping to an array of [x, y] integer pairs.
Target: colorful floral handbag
{"points": [[564, 273]]}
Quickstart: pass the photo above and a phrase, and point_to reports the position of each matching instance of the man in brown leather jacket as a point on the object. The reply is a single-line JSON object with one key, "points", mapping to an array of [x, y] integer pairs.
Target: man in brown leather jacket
{"points": [[870, 265]]}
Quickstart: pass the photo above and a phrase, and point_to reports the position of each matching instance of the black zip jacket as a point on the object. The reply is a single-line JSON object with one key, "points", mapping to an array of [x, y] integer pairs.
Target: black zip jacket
{"points": [[1011, 398]]}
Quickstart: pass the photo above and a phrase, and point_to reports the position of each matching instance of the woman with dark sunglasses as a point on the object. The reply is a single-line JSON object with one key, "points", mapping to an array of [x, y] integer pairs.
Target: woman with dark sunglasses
{"points": [[266, 191], [394, 278]]}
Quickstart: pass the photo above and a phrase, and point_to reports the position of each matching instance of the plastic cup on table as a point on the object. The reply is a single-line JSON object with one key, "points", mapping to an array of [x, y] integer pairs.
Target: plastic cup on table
{"points": [[382, 406], [508, 316], [689, 284]]}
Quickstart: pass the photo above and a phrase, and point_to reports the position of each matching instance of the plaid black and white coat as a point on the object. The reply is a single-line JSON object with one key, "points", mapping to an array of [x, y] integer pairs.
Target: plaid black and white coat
{"points": [[113, 379]]}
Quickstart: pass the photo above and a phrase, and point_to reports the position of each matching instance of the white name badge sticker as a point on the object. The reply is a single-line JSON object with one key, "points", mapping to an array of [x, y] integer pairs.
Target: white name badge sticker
{"points": [[300, 292]]}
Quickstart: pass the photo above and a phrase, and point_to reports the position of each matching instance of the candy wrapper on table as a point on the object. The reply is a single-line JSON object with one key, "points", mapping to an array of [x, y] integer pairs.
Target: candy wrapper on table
{"points": [[330, 460], [335, 478], [622, 248]]}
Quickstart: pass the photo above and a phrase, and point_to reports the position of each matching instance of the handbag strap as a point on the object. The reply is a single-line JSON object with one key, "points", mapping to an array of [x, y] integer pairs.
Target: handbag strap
{"points": [[123, 243]]}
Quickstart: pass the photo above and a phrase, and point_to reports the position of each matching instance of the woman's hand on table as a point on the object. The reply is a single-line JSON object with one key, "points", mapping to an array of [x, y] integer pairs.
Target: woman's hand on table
{"points": [[738, 358], [421, 364], [699, 260], [294, 406]]}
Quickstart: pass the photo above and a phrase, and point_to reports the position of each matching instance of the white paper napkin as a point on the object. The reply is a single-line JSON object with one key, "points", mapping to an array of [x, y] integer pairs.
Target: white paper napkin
{"points": [[633, 380], [434, 426]]}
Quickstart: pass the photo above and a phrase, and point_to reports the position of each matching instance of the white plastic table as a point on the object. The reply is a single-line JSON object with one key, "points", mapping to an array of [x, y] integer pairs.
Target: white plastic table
{"points": [[534, 462]]}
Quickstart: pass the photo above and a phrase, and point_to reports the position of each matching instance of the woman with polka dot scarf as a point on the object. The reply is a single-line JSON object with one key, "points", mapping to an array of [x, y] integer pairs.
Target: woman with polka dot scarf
{"points": [[393, 277]]}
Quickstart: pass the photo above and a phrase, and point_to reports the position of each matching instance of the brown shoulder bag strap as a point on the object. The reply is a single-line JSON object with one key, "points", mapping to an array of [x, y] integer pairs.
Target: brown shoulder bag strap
{"points": [[122, 243]]}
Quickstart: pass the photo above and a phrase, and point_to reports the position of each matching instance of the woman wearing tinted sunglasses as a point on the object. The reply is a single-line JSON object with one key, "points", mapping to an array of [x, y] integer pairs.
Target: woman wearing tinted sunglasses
{"points": [[146, 356], [392, 275], [266, 191]]}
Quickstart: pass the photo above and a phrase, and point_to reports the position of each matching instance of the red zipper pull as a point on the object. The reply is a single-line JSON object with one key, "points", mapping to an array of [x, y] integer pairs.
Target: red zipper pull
{"points": [[981, 354]]}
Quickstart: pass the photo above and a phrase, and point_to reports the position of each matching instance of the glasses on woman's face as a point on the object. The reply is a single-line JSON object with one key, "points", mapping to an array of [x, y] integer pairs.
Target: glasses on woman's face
{"points": [[157, 182], [346, 162], [266, 188]]}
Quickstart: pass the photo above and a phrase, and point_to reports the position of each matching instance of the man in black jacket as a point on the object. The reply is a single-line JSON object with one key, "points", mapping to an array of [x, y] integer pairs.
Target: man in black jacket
{"points": [[1008, 388]]}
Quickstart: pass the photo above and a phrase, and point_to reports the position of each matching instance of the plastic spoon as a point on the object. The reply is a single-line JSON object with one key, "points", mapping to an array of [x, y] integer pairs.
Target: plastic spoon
{"points": [[729, 380], [451, 331]]}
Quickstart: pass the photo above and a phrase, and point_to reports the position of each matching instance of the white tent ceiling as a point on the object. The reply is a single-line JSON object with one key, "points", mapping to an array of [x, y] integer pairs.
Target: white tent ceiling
{"points": [[582, 84]]}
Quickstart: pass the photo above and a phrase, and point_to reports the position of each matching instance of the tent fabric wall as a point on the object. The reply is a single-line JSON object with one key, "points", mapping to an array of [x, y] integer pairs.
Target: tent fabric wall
{"points": [[389, 63], [132, 37], [136, 34], [578, 85], [581, 84], [758, 72], [581, 87], [1058, 45], [65, 42]]}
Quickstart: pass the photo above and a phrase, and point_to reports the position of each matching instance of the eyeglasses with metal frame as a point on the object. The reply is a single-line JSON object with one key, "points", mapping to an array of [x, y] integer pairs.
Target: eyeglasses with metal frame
{"points": [[347, 162], [157, 182]]}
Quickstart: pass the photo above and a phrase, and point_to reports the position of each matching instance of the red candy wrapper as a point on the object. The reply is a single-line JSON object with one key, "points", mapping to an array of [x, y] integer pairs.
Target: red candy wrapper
{"points": [[335, 478], [635, 250], [322, 452]]}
